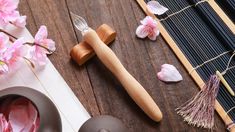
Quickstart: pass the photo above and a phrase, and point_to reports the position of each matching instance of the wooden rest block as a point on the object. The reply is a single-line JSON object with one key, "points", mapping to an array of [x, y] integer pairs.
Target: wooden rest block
{"points": [[83, 52]]}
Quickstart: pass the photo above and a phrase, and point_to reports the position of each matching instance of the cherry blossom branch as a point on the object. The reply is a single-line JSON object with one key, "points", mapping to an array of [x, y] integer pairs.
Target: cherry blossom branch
{"points": [[8, 34], [32, 44], [29, 43]]}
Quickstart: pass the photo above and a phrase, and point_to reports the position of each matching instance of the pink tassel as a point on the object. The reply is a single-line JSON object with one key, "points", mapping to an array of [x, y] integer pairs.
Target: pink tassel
{"points": [[199, 110]]}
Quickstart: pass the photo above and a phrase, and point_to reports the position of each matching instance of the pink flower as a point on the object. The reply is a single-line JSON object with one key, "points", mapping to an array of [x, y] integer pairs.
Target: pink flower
{"points": [[148, 28], [10, 53], [14, 52], [4, 40], [42, 43], [8, 13], [156, 8]]}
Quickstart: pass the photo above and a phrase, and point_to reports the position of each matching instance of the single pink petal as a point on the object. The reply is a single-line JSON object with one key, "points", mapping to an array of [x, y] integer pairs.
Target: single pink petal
{"points": [[41, 34], [18, 116], [49, 44], [141, 31], [156, 8], [153, 35], [169, 73], [148, 20], [33, 119]]}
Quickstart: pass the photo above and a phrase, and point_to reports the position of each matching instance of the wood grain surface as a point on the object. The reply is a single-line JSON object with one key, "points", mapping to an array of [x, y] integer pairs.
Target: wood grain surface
{"points": [[93, 84]]}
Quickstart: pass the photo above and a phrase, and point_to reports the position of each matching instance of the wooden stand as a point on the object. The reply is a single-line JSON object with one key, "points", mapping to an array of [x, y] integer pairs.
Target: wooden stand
{"points": [[83, 51]]}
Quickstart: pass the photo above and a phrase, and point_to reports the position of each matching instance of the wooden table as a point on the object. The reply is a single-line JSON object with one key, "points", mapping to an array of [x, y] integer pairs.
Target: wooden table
{"points": [[93, 84]]}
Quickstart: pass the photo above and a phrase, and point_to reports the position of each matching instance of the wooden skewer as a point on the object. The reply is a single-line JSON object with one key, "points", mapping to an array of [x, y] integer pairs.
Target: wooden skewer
{"points": [[132, 86], [225, 83]]}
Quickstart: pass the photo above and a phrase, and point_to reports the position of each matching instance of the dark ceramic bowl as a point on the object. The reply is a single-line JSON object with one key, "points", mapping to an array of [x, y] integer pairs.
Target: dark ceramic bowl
{"points": [[49, 116], [103, 123]]}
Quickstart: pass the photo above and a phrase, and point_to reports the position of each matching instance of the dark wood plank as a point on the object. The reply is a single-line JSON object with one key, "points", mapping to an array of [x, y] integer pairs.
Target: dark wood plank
{"points": [[54, 14], [93, 84]]}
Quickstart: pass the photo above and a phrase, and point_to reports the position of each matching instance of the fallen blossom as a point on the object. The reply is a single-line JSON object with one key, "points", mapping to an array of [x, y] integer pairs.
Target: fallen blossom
{"points": [[148, 28], [41, 46], [169, 73], [156, 8]]}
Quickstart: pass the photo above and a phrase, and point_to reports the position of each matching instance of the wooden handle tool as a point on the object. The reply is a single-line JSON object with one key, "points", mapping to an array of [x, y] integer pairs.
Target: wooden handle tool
{"points": [[110, 60], [132, 86]]}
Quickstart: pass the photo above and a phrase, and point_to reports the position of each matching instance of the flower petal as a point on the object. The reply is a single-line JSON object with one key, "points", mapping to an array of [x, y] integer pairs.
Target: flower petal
{"points": [[153, 35], [141, 31], [38, 56], [50, 44], [156, 8], [4, 40], [23, 115], [20, 21], [15, 50], [4, 126], [41, 34], [169, 73]]}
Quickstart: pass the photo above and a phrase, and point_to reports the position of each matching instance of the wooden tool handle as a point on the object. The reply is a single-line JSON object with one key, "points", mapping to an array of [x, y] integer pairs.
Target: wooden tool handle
{"points": [[133, 87]]}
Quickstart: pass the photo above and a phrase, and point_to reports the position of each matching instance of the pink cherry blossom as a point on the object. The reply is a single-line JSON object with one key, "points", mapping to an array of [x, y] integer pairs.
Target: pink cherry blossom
{"points": [[7, 10], [9, 14], [4, 40], [10, 53], [148, 28], [156, 8], [14, 52], [41, 47]]}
